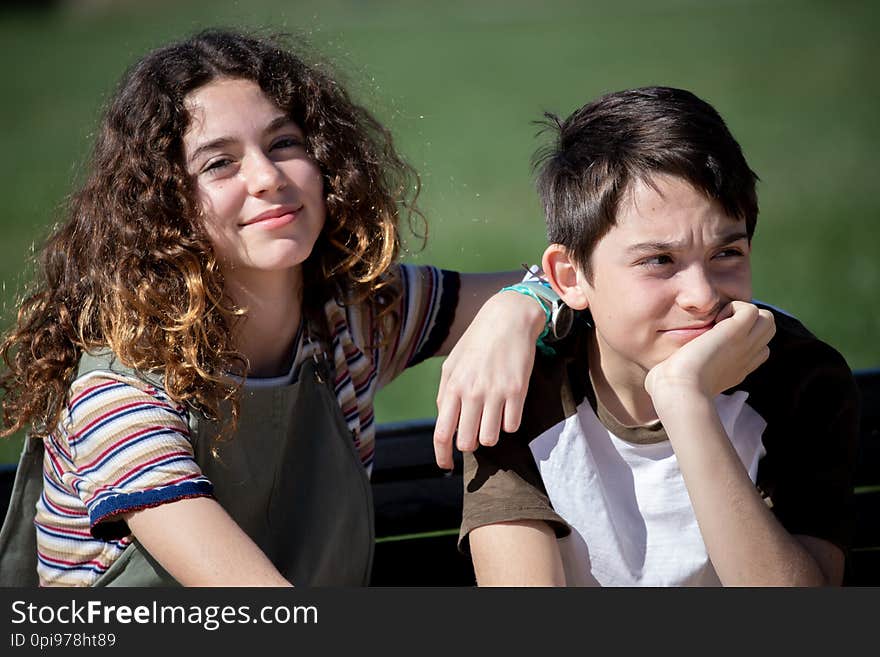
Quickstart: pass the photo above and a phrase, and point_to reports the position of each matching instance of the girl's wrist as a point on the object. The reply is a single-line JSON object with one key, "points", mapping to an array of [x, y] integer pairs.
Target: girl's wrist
{"points": [[557, 317], [529, 314]]}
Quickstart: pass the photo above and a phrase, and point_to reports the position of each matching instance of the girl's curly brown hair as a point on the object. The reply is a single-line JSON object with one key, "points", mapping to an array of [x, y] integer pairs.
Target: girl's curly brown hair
{"points": [[131, 268]]}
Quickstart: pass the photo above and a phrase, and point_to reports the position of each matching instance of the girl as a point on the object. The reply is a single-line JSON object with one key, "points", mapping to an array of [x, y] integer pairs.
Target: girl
{"points": [[199, 360]]}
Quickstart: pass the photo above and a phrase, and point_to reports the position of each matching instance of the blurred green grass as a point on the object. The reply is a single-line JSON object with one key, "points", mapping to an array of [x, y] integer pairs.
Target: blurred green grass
{"points": [[459, 84]]}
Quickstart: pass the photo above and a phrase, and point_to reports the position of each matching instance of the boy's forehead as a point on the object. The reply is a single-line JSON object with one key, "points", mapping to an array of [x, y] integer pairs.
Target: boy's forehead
{"points": [[667, 208]]}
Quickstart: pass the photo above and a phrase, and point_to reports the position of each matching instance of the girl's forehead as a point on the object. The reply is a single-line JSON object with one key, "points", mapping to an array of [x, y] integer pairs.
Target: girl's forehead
{"points": [[224, 98], [230, 109]]}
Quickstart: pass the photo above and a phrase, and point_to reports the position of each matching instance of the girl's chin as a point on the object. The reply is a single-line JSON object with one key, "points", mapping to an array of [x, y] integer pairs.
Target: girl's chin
{"points": [[266, 266]]}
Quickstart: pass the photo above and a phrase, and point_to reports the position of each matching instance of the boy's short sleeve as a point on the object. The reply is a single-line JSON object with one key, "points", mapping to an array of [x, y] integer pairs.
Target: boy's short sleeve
{"points": [[125, 446], [809, 477], [502, 484], [426, 310]]}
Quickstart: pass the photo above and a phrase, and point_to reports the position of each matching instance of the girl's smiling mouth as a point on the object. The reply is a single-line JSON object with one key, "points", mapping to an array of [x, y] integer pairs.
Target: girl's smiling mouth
{"points": [[275, 217]]}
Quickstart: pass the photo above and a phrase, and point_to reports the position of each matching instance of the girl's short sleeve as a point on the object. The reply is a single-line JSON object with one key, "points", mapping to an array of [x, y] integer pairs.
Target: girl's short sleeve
{"points": [[426, 310], [124, 446]]}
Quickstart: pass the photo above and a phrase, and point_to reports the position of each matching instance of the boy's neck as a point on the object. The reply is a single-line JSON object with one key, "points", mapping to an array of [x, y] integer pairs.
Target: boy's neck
{"points": [[273, 304], [620, 387]]}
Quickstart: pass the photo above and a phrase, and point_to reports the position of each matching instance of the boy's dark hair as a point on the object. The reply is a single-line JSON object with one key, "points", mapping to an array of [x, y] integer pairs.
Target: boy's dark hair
{"points": [[608, 144]]}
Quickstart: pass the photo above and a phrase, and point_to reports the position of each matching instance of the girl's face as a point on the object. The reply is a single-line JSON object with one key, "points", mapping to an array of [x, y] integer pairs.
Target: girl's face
{"points": [[261, 195]]}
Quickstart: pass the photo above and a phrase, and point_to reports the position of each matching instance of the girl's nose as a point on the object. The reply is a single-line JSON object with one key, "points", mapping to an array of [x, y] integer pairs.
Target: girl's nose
{"points": [[263, 175]]}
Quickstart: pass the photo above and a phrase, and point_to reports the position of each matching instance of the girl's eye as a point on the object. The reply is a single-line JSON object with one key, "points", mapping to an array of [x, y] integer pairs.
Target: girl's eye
{"points": [[216, 166], [287, 142]]}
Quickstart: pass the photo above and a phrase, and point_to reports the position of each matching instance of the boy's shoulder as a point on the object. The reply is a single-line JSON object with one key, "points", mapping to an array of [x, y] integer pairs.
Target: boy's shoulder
{"points": [[559, 382], [801, 367]]}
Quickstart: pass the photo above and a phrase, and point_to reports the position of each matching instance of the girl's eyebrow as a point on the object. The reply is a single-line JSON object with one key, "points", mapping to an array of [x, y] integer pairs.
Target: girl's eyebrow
{"points": [[222, 142], [214, 144], [278, 122], [654, 247]]}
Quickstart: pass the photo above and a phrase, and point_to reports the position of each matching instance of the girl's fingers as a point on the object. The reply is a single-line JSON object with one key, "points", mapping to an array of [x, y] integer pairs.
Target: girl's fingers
{"points": [[490, 424], [469, 424], [444, 429], [513, 408]]}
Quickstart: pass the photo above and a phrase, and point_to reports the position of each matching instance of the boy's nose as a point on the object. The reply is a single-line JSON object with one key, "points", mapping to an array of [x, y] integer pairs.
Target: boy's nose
{"points": [[263, 175], [697, 293]]}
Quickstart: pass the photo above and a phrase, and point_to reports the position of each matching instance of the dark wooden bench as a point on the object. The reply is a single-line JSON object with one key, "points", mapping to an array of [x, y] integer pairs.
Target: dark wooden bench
{"points": [[418, 507]]}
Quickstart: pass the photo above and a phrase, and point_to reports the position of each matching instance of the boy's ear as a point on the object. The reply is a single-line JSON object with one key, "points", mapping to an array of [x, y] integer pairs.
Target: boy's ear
{"points": [[564, 276]]}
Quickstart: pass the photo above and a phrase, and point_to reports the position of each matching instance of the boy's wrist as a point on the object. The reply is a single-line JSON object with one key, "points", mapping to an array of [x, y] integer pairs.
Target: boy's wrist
{"points": [[674, 399], [692, 417]]}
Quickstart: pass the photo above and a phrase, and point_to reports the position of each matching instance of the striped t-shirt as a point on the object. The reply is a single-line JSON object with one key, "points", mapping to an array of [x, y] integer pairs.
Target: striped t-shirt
{"points": [[123, 445]]}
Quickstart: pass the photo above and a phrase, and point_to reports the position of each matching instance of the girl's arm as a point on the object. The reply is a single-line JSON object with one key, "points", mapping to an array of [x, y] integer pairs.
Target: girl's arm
{"points": [[197, 542], [144, 433], [491, 348], [475, 291]]}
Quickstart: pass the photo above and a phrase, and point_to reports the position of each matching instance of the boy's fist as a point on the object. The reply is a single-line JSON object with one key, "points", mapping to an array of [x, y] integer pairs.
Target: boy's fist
{"points": [[718, 359]]}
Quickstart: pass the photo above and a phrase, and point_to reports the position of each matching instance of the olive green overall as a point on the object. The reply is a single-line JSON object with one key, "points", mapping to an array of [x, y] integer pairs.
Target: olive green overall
{"points": [[290, 477]]}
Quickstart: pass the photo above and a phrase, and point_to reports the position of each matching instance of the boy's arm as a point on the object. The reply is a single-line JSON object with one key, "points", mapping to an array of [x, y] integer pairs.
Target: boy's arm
{"points": [[508, 524], [748, 545], [517, 553]]}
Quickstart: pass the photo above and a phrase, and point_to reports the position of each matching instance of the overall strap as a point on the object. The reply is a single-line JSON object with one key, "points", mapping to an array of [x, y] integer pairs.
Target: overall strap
{"points": [[105, 359], [18, 540], [317, 330]]}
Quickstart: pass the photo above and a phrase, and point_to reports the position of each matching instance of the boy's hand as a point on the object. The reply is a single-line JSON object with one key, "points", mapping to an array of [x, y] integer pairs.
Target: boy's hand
{"points": [[486, 375], [718, 359]]}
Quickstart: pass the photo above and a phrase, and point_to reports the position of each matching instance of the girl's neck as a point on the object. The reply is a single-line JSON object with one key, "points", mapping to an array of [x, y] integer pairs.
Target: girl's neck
{"points": [[620, 386], [273, 309]]}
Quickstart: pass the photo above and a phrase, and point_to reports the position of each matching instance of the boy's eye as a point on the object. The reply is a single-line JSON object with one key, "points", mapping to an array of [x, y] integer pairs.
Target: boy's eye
{"points": [[729, 253], [656, 260]]}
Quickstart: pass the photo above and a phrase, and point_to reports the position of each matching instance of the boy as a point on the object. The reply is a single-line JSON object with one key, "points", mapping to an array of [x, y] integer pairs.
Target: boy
{"points": [[682, 435]]}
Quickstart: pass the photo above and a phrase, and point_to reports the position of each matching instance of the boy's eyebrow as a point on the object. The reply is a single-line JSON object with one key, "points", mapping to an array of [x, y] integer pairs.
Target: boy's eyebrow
{"points": [[731, 237], [223, 142], [654, 247]]}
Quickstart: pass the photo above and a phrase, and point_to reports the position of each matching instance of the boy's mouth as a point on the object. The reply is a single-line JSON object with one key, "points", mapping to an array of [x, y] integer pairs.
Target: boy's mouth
{"points": [[688, 331]]}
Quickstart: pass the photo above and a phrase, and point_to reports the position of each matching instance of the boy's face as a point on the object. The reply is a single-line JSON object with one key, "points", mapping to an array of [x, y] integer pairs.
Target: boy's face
{"points": [[663, 273]]}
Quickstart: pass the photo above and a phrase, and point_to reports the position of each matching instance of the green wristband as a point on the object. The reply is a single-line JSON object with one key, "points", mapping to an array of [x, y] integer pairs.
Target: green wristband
{"points": [[548, 314]]}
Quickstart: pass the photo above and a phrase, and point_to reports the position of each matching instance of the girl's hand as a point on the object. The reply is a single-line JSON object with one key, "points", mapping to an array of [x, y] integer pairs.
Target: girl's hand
{"points": [[484, 379], [718, 359]]}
